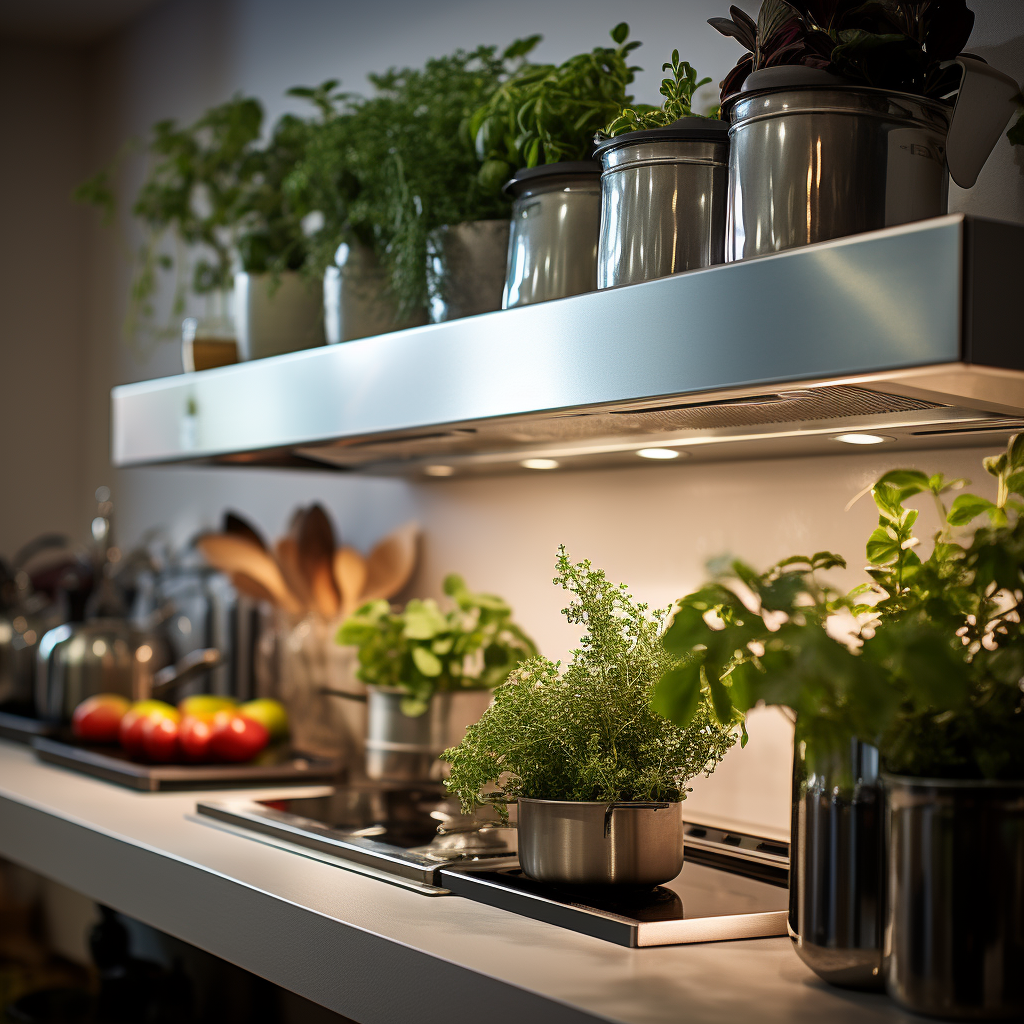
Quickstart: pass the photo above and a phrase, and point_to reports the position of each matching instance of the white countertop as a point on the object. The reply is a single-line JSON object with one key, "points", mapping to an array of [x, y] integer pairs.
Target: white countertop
{"points": [[374, 951]]}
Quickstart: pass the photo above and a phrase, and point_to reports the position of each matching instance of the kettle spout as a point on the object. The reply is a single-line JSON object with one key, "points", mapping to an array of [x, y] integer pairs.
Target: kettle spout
{"points": [[985, 103]]}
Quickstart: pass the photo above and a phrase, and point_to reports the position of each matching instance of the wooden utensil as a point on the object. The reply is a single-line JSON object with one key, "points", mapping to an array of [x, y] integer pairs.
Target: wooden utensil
{"points": [[250, 588], [316, 560], [232, 554], [286, 551], [390, 564], [239, 527], [350, 576]]}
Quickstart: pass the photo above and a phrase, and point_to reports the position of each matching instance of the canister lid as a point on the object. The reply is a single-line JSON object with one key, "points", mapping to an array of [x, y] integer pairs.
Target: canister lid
{"points": [[567, 168], [687, 129]]}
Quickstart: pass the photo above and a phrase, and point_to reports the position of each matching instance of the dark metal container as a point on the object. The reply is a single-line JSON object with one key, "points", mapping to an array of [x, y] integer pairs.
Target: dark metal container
{"points": [[836, 874], [662, 201], [466, 266], [576, 842], [954, 932], [556, 219]]}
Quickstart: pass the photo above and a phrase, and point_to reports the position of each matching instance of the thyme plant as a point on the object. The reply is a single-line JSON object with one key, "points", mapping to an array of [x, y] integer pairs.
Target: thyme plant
{"points": [[423, 650], [588, 733], [678, 92]]}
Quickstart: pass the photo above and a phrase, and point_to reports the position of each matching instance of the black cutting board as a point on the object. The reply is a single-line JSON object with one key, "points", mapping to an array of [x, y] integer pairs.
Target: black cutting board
{"points": [[275, 765], [20, 727]]}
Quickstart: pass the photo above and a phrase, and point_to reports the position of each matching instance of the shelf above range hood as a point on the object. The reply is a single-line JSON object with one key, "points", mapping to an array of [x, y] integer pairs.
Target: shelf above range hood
{"points": [[908, 334]]}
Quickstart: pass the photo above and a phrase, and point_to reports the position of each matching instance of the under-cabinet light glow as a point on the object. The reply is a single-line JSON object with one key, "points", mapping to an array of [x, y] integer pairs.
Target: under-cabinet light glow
{"points": [[439, 470], [863, 438], [539, 464], [657, 453]]}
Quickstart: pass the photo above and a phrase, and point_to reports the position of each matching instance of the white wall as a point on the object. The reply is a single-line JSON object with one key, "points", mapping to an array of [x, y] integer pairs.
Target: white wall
{"points": [[652, 526]]}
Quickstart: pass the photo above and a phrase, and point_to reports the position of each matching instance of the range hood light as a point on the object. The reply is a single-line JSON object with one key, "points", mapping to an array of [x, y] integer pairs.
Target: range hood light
{"points": [[539, 464], [657, 453], [863, 438], [439, 470]]}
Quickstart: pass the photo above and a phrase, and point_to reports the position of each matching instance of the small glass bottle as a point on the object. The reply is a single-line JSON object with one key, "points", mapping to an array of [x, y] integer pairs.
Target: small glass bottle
{"points": [[210, 340]]}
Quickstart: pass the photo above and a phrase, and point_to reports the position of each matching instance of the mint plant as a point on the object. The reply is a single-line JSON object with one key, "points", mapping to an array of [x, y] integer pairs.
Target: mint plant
{"points": [[678, 92]]}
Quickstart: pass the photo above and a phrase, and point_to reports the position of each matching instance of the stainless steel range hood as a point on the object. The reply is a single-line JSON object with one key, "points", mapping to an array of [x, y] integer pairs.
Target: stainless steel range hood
{"points": [[909, 334]]}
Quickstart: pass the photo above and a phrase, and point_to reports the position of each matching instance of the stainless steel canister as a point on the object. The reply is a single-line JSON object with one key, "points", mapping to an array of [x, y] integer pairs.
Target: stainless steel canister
{"points": [[556, 219], [819, 161], [400, 748], [597, 843], [662, 201], [466, 268]]}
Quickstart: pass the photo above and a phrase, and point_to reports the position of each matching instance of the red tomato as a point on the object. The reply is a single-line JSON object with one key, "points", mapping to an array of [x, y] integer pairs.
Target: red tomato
{"points": [[130, 733], [160, 738], [98, 719], [237, 738], [195, 735]]}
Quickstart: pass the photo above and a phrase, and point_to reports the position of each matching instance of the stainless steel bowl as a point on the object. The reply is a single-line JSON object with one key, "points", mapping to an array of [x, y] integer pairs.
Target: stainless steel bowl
{"points": [[582, 843], [556, 218], [662, 201], [819, 161]]}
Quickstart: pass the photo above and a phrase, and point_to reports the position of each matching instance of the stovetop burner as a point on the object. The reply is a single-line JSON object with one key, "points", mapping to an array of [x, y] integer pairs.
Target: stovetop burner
{"points": [[732, 884]]}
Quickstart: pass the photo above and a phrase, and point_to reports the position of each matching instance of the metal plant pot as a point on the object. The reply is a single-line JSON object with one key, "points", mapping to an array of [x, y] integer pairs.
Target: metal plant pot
{"points": [[466, 268], [556, 220], [276, 314], [404, 749], [572, 842], [817, 159], [356, 299], [954, 931], [662, 201], [837, 862]]}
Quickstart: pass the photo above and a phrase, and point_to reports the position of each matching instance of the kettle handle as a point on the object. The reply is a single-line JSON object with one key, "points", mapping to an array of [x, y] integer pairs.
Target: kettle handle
{"points": [[985, 103]]}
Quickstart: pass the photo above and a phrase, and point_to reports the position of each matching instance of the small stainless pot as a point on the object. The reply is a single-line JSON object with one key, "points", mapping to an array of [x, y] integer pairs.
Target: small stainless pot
{"points": [[556, 219], [571, 842], [404, 749], [954, 930], [662, 201], [466, 268], [277, 313]]}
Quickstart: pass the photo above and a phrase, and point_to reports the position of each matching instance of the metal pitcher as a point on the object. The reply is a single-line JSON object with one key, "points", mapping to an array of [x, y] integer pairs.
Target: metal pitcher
{"points": [[662, 201], [815, 157], [837, 862], [466, 268], [404, 749], [571, 842], [556, 220]]}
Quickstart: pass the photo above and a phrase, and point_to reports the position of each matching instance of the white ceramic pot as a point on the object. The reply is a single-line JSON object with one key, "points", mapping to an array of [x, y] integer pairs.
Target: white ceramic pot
{"points": [[276, 313]]}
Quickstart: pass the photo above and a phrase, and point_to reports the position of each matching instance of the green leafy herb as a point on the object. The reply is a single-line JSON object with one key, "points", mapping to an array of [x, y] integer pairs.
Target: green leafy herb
{"points": [[589, 733], [678, 92], [424, 650], [548, 113]]}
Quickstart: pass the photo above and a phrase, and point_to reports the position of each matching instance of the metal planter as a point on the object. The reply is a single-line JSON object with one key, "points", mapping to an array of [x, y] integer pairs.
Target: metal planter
{"points": [[570, 842], [404, 749], [954, 930], [837, 866], [277, 313], [466, 268], [663, 197], [556, 220]]}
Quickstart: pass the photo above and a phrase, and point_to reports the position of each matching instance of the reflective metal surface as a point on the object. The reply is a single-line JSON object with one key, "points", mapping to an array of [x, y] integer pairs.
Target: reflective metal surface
{"points": [[552, 250], [404, 749], [921, 310], [466, 269], [807, 165], [662, 209], [277, 313], [583, 843], [954, 929], [837, 864]]}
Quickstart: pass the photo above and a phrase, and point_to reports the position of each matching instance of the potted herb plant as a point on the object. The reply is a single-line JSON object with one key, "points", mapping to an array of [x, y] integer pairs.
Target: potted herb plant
{"points": [[430, 673], [931, 682], [217, 192], [599, 778], [840, 113], [663, 187], [534, 138]]}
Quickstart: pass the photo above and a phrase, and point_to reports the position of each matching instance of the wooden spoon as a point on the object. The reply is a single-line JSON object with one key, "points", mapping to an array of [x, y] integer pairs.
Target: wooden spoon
{"points": [[316, 560], [286, 551], [239, 527], [250, 588], [233, 554], [350, 576], [390, 564]]}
